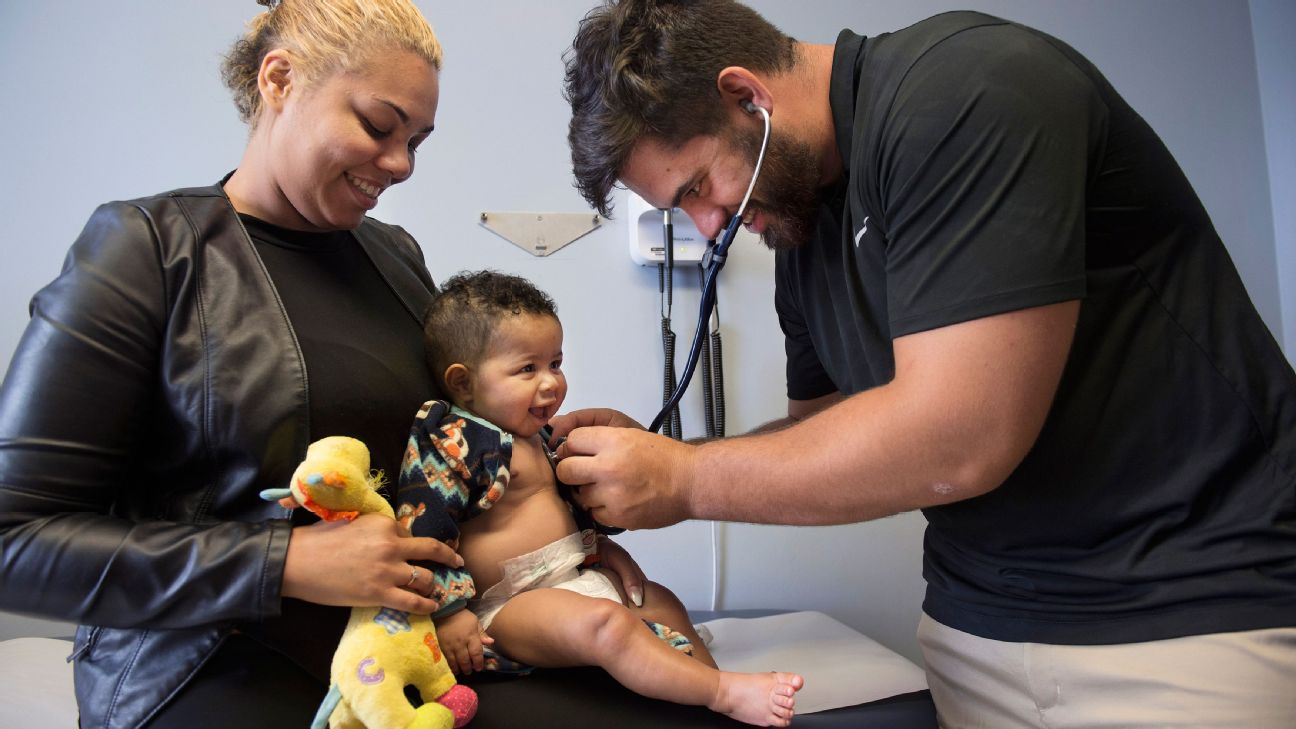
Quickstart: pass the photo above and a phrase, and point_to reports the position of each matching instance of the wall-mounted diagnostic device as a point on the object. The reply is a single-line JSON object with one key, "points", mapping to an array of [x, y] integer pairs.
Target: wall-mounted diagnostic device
{"points": [[647, 243]]}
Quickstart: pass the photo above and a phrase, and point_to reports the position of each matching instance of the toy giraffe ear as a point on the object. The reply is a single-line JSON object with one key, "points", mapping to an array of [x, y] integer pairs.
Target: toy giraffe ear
{"points": [[459, 382]]}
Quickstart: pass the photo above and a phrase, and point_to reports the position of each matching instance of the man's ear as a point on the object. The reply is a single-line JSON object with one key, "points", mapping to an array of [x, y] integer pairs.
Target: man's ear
{"points": [[458, 381], [737, 84], [275, 79]]}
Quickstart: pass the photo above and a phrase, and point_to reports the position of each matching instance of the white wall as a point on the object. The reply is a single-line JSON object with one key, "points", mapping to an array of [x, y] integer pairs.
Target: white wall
{"points": [[99, 106], [1274, 24]]}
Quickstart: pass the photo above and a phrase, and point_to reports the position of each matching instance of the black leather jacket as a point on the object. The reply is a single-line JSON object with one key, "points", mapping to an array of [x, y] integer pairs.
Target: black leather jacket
{"points": [[157, 389]]}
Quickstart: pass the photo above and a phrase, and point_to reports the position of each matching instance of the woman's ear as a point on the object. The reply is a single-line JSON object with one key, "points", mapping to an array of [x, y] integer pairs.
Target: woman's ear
{"points": [[458, 381], [275, 79]]}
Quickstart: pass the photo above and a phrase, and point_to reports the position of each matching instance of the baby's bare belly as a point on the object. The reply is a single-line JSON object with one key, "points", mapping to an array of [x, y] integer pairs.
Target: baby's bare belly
{"points": [[511, 529]]}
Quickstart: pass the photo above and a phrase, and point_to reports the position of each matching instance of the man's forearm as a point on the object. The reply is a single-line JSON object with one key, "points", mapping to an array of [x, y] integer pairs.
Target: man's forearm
{"points": [[773, 425], [800, 472], [964, 407]]}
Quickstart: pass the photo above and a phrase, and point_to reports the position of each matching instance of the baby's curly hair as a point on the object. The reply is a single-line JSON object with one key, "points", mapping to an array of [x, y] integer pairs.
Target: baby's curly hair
{"points": [[465, 312]]}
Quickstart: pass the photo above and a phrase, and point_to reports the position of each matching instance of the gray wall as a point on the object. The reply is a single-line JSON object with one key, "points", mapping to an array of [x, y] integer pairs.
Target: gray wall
{"points": [[99, 106]]}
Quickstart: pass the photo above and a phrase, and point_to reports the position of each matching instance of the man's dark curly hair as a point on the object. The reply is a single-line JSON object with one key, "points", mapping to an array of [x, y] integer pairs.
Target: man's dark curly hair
{"points": [[465, 312], [640, 68]]}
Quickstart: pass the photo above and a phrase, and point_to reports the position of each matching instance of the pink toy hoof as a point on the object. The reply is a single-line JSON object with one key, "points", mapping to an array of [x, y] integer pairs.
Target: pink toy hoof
{"points": [[462, 702]]}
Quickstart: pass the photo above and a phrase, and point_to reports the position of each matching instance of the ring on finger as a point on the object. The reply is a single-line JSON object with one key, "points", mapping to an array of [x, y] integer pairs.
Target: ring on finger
{"points": [[413, 576]]}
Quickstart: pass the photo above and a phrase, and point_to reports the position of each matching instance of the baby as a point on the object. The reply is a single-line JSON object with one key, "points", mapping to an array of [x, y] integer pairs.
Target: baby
{"points": [[540, 598]]}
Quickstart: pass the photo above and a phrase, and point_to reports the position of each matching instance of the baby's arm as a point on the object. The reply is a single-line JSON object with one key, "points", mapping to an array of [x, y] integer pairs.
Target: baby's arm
{"points": [[614, 558], [432, 494], [461, 639]]}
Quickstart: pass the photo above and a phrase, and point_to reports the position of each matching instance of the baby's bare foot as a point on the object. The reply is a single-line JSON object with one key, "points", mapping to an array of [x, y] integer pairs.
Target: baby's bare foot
{"points": [[762, 699]]}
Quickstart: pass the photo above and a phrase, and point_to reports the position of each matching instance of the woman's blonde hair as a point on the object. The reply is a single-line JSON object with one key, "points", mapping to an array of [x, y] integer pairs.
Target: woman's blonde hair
{"points": [[324, 36]]}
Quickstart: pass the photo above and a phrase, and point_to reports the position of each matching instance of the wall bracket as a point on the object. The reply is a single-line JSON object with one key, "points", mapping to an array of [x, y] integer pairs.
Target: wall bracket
{"points": [[541, 234]]}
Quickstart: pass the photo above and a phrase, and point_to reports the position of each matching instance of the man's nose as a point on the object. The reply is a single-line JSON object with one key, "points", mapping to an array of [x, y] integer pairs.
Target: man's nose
{"points": [[708, 218]]}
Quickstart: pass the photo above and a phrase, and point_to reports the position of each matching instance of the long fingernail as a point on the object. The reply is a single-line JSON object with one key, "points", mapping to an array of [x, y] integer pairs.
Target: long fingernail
{"points": [[636, 596]]}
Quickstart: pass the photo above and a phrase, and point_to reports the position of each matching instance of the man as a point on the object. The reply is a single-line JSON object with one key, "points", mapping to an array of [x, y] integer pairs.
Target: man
{"points": [[1003, 304]]}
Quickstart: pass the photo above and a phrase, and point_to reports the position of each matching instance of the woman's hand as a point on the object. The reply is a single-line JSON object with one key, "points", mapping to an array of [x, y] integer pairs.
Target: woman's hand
{"points": [[461, 639], [362, 563], [614, 557]]}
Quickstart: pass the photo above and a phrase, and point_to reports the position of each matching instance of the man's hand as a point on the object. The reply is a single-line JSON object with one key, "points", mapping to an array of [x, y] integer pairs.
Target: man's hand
{"points": [[628, 477], [567, 422]]}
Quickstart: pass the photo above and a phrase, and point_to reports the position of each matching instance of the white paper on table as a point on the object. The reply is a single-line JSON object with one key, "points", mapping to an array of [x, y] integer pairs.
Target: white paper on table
{"points": [[36, 684], [841, 666]]}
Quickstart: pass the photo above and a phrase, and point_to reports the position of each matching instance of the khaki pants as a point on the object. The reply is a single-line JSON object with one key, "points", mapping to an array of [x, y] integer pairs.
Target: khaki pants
{"points": [[1241, 680]]}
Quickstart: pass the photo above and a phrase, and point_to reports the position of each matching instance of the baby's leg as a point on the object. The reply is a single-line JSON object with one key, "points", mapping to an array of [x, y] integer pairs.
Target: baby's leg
{"points": [[661, 606], [552, 627]]}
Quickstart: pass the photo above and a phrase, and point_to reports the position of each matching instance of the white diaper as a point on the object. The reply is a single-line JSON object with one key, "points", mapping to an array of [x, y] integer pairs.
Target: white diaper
{"points": [[553, 565]]}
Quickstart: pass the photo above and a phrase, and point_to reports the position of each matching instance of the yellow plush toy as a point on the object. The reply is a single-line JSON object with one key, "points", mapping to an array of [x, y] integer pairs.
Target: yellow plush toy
{"points": [[382, 650]]}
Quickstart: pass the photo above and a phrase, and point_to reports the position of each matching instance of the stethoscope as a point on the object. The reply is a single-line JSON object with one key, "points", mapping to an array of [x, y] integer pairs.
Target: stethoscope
{"points": [[712, 261]]}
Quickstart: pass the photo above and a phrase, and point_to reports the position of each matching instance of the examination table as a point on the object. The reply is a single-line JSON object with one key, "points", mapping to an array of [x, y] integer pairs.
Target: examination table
{"points": [[36, 682]]}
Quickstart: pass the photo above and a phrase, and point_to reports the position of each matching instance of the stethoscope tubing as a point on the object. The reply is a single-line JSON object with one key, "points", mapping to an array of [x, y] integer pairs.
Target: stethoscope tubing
{"points": [[713, 261], [717, 254]]}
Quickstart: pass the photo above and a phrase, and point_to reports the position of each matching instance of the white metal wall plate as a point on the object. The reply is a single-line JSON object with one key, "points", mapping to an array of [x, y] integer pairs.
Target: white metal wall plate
{"points": [[540, 234]]}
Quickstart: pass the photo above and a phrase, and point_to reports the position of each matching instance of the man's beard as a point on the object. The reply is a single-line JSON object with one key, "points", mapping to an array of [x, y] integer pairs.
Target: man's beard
{"points": [[787, 191]]}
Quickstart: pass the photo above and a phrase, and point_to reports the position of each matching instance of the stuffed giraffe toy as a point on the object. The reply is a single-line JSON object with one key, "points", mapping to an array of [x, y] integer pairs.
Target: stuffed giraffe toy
{"points": [[382, 650]]}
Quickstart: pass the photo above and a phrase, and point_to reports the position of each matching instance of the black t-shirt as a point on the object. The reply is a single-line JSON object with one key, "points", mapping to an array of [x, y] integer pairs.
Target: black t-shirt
{"points": [[365, 367], [991, 168], [366, 378]]}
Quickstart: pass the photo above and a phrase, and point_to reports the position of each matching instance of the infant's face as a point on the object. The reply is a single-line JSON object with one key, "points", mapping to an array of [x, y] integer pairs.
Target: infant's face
{"points": [[520, 385]]}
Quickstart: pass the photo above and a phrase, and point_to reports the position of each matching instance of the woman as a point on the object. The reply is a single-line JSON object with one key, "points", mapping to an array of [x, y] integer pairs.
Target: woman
{"points": [[194, 344]]}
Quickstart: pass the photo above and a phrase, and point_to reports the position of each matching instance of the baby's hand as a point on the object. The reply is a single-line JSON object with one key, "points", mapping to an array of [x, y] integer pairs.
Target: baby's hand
{"points": [[461, 639]]}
